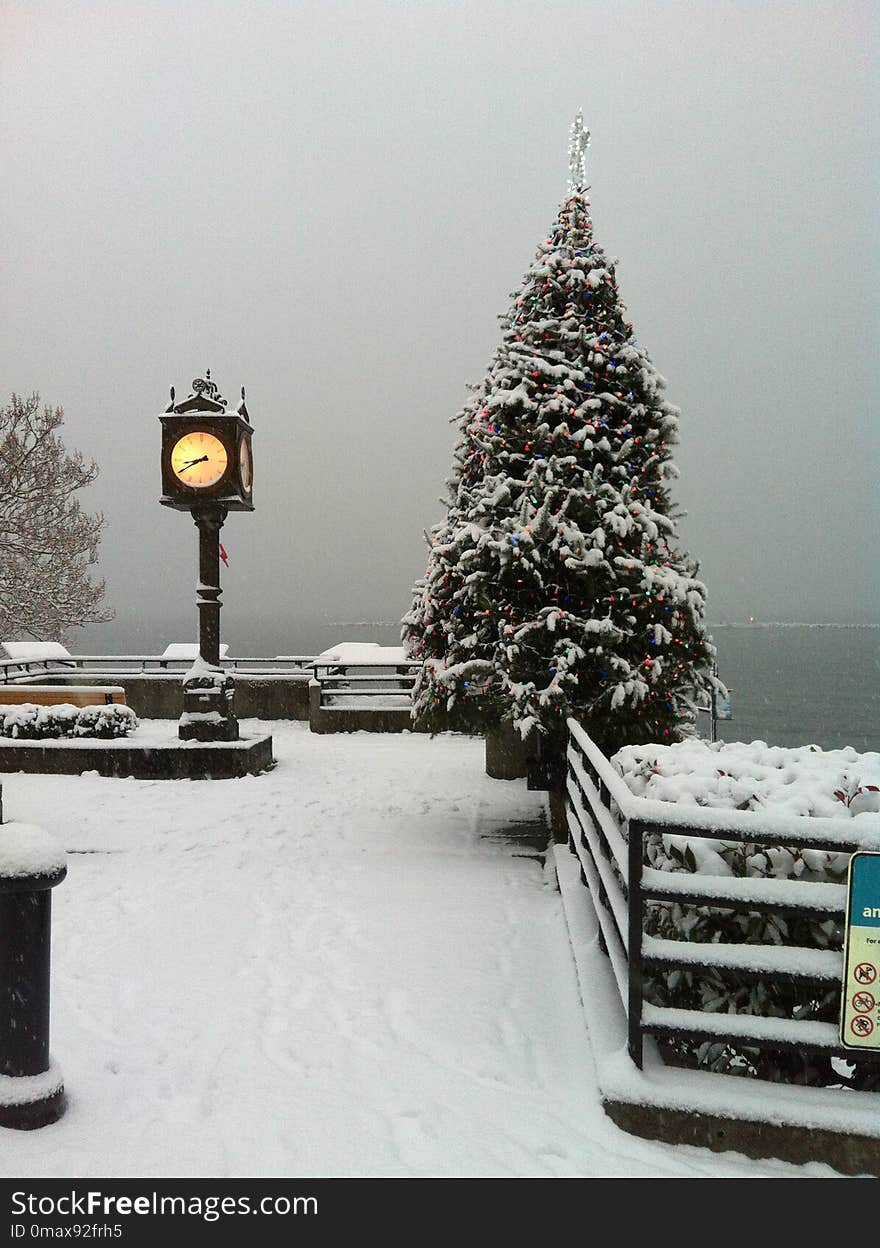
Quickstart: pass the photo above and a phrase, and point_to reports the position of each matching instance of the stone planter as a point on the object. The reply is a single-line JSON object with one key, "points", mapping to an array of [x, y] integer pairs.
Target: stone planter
{"points": [[506, 753]]}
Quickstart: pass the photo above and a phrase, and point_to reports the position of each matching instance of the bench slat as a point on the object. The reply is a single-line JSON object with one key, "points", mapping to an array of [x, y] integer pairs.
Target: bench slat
{"points": [[62, 695]]}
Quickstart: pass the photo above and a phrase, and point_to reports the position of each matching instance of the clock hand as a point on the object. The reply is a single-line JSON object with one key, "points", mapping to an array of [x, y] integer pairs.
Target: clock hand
{"points": [[201, 460]]}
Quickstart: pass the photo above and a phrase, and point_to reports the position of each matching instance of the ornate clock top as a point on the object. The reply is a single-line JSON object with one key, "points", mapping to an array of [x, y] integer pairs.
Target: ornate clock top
{"points": [[207, 387], [205, 397]]}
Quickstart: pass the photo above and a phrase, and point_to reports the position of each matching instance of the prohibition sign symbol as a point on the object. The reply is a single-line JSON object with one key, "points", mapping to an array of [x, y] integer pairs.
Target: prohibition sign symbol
{"points": [[865, 973], [861, 1026], [863, 1002]]}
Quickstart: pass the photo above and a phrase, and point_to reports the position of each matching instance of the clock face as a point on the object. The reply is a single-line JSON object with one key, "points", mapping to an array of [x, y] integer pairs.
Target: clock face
{"points": [[199, 459], [244, 465]]}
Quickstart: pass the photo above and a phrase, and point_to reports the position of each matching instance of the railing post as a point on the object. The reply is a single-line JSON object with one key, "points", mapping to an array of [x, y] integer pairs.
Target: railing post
{"points": [[31, 1088], [315, 698], [634, 941]]}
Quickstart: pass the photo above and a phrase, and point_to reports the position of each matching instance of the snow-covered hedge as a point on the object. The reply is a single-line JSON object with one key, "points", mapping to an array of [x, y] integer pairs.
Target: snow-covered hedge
{"points": [[31, 722], [801, 782], [827, 784]]}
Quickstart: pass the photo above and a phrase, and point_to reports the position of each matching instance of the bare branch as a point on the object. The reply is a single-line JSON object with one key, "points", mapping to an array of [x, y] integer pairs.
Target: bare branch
{"points": [[47, 542]]}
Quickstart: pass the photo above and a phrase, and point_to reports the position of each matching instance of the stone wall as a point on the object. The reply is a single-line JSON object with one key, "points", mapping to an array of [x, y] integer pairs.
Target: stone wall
{"points": [[160, 695]]}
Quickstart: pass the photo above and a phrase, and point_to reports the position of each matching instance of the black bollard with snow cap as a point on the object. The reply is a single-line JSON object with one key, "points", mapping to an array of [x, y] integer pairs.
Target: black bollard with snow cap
{"points": [[31, 1085]]}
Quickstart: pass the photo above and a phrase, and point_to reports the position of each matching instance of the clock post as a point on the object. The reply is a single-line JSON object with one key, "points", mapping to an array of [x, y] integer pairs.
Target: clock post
{"points": [[209, 522], [207, 471]]}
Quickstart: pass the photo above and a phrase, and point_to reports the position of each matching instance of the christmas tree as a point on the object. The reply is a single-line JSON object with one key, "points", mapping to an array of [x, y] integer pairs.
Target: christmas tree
{"points": [[555, 585]]}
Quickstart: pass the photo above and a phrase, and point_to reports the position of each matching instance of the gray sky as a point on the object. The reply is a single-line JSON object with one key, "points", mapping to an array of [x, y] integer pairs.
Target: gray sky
{"points": [[329, 203]]}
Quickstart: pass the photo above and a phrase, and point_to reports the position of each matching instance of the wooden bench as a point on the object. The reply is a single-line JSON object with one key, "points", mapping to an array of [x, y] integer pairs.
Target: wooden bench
{"points": [[62, 695]]}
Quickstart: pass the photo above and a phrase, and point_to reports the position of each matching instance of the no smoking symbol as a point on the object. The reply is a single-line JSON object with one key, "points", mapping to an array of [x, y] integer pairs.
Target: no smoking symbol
{"points": [[865, 973], [861, 1026], [863, 1002]]}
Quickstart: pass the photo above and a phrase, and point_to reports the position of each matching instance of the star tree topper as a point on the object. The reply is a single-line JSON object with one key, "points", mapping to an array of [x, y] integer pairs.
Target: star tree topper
{"points": [[578, 142]]}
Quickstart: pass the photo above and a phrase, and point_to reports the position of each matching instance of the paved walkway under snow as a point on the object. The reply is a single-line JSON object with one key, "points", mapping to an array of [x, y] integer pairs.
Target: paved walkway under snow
{"points": [[339, 968]]}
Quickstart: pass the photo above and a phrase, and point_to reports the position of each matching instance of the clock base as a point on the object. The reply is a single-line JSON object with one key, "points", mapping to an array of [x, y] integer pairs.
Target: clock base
{"points": [[221, 728], [207, 706]]}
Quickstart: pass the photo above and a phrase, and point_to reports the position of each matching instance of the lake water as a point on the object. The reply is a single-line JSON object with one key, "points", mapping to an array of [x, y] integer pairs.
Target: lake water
{"points": [[801, 685]]}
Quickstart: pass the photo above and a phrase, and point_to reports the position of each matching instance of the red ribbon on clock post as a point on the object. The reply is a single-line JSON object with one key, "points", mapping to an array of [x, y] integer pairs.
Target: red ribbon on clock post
{"points": [[223, 554]]}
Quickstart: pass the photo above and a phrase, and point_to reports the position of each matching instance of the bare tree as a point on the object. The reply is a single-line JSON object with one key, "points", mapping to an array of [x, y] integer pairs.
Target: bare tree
{"points": [[47, 542]]}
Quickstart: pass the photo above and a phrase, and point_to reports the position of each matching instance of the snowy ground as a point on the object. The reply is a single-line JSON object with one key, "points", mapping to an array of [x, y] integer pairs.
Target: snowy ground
{"points": [[338, 968]]}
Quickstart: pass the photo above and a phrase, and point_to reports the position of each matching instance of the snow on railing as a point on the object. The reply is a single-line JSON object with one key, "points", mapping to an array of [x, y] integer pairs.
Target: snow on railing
{"points": [[608, 827], [152, 662]]}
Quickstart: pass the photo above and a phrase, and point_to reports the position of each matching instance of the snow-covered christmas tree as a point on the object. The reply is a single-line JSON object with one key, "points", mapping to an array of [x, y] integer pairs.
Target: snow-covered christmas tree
{"points": [[555, 585]]}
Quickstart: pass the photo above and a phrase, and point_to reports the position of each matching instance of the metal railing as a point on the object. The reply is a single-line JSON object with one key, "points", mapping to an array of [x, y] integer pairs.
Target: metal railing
{"points": [[608, 826], [158, 663], [12, 670], [19, 670]]}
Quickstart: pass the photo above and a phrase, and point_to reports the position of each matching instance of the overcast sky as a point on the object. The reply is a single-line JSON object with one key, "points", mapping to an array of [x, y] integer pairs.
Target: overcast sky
{"points": [[330, 203]]}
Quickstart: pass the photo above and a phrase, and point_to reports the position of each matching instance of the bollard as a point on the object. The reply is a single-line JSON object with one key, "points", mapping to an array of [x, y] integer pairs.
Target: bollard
{"points": [[31, 1085]]}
